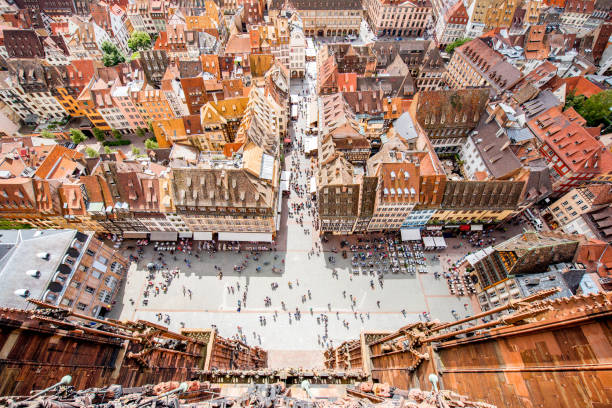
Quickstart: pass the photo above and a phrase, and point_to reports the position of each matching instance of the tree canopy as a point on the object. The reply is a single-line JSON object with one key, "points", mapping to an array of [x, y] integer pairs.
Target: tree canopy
{"points": [[91, 152], [141, 132], [98, 134], [457, 43], [151, 144], [595, 110], [77, 136], [111, 55], [47, 135], [139, 40]]}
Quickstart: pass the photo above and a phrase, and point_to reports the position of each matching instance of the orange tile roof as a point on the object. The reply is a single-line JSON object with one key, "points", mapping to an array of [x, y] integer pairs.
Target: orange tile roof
{"points": [[347, 82], [210, 64], [238, 44], [56, 159], [595, 254], [19, 192], [72, 199], [401, 181], [13, 165]]}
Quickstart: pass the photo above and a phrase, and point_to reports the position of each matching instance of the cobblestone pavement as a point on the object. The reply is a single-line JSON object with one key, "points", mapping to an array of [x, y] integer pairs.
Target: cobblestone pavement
{"points": [[298, 342]]}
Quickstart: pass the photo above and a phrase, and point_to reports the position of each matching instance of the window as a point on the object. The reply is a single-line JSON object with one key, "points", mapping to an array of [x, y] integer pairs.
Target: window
{"points": [[111, 282], [89, 289], [67, 302], [102, 260], [96, 274], [104, 296], [81, 306], [75, 284], [90, 252]]}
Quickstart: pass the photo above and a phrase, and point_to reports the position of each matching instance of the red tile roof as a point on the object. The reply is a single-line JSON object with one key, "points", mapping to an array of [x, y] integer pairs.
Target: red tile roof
{"points": [[581, 86], [80, 73], [563, 132]]}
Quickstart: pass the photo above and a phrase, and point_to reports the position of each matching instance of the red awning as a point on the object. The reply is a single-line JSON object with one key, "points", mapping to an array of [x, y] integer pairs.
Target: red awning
{"points": [[464, 228], [287, 140]]}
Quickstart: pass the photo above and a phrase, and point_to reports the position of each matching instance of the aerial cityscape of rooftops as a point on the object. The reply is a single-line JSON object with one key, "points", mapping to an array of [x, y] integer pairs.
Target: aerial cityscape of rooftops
{"points": [[306, 203]]}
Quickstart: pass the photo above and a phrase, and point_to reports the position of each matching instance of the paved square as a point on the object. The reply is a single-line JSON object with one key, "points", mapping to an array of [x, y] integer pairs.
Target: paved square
{"points": [[213, 301]]}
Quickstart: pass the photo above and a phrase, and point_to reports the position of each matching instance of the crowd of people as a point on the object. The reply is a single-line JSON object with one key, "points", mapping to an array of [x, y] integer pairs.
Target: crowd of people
{"points": [[345, 306]]}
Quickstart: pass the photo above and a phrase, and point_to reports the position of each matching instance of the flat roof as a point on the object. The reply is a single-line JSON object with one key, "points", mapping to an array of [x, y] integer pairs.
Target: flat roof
{"points": [[24, 256]]}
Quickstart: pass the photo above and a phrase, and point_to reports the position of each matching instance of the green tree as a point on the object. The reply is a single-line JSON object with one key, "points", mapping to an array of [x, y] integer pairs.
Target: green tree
{"points": [[597, 109], [139, 41], [457, 43], [116, 134], [135, 151], [77, 136], [47, 135], [111, 55], [573, 101], [107, 150], [151, 144], [90, 152], [99, 134], [141, 132]]}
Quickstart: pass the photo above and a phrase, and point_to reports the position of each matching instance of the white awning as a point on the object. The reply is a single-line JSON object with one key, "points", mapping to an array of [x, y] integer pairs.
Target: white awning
{"points": [[410, 234], [134, 234], [476, 227], [429, 242], [279, 206], [202, 236], [245, 236], [163, 236], [285, 175], [440, 242], [434, 228], [284, 185], [313, 113], [313, 185], [474, 258], [310, 145], [185, 234]]}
